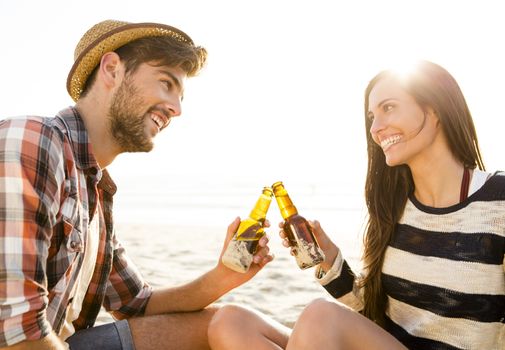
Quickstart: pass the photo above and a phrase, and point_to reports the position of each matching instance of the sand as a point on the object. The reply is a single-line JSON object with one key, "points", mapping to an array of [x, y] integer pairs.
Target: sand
{"points": [[170, 255]]}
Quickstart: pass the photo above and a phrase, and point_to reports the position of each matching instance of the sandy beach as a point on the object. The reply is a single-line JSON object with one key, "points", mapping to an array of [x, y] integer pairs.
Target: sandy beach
{"points": [[172, 255], [174, 231]]}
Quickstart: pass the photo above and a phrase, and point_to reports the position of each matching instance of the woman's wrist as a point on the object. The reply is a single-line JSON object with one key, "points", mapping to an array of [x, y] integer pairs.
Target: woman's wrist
{"points": [[330, 256], [326, 276]]}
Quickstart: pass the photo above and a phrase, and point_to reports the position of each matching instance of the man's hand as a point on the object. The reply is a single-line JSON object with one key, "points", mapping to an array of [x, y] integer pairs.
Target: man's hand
{"points": [[209, 287], [260, 259], [49, 342]]}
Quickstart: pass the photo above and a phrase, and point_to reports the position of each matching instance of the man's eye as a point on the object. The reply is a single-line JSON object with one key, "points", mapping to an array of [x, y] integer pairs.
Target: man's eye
{"points": [[168, 84]]}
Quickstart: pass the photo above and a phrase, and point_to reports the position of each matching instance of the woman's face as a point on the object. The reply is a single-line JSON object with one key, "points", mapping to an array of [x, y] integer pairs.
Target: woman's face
{"points": [[405, 132]]}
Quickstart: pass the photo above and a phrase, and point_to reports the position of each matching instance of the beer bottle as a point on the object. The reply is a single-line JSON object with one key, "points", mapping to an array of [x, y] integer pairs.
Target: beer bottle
{"points": [[299, 233], [241, 249]]}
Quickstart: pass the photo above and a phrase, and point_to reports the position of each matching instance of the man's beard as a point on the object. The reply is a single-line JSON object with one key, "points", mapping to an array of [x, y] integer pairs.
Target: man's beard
{"points": [[126, 119]]}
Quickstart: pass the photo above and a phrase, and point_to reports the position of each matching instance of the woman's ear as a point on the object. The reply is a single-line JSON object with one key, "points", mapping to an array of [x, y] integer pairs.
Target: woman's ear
{"points": [[432, 115], [110, 68]]}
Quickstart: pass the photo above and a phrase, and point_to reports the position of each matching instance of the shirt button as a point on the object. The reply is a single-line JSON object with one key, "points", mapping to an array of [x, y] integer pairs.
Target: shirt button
{"points": [[74, 245]]}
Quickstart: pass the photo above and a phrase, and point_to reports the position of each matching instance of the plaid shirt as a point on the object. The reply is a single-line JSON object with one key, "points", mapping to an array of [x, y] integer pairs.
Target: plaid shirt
{"points": [[51, 187]]}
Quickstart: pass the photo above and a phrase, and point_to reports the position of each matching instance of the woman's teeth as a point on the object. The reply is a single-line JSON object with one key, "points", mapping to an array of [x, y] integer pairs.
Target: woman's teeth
{"points": [[390, 141]]}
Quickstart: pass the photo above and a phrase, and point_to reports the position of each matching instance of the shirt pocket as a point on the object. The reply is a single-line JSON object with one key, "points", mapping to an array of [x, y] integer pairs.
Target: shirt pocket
{"points": [[72, 222], [73, 241], [72, 237], [62, 267]]}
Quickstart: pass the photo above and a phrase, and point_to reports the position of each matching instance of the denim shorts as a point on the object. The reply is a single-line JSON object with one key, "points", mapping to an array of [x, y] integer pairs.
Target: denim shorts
{"points": [[110, 336]]}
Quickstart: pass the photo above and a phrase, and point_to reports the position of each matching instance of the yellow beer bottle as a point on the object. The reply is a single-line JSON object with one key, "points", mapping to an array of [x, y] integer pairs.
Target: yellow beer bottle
{"points": [[299, 233], [241, 249]]}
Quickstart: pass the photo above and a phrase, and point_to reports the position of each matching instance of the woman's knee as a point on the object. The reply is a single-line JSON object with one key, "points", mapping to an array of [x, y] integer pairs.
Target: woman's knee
{"points": [[226, 319], [322, 313], [232, 324], [321, 325]]}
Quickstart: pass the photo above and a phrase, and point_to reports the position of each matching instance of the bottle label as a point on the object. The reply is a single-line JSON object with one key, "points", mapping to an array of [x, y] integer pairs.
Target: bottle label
{"points": [[308, 254], [237, 256], [241, 249], [305, 249], [249, 231]]}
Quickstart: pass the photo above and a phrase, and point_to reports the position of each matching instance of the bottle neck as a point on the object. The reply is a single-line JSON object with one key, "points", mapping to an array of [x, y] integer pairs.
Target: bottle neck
{"points": [[259, 212], [285, 205]]}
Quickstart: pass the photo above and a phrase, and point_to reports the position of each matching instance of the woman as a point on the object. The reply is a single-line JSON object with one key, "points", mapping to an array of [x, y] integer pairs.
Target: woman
{"points": [[435, 239]]}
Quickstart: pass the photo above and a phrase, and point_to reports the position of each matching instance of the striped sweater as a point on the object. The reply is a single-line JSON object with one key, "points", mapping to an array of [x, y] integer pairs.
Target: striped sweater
{"points": [[443, 274]]}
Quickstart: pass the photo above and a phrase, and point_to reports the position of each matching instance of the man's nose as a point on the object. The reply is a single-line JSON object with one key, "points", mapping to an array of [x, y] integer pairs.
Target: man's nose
{"points": [[174, 107]]}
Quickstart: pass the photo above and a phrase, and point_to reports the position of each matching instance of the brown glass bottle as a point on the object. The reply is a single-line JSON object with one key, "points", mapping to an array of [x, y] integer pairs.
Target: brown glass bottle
{"points": [[299, 233], [241, 249]]}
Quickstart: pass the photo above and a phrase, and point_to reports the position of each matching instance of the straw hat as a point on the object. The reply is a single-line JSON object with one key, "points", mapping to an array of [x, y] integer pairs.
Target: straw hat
{"points": [[108, 36]]}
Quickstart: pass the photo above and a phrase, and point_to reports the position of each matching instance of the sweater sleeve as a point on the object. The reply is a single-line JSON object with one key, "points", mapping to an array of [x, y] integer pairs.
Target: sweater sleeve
{"points": [[342, 283]]}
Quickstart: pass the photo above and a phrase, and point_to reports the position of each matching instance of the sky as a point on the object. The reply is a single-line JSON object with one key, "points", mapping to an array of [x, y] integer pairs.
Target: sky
{"points": [[281, 96]]}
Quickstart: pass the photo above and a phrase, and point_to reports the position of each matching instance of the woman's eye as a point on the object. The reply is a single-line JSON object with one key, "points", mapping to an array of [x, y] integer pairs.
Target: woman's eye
{"points": [[370, 116], [387, 107]]}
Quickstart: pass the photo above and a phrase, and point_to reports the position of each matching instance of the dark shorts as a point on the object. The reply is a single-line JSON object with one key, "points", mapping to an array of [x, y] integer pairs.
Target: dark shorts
{"points": [[110, 336]]}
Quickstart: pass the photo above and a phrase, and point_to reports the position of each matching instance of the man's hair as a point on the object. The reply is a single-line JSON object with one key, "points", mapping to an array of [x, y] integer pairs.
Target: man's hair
{"points": [[160, 51]]}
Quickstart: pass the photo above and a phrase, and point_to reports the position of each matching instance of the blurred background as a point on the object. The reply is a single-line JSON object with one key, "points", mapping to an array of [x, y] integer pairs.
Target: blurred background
{"points": [[281, 97]]}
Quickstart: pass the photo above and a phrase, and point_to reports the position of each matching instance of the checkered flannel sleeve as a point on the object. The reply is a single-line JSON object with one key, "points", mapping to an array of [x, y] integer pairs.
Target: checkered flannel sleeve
{"points": [[30, 180], [127, 293]]}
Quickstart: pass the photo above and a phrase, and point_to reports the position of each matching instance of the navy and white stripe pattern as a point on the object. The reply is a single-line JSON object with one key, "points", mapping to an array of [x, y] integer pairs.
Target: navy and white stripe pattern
{"points": [[444, 273]]}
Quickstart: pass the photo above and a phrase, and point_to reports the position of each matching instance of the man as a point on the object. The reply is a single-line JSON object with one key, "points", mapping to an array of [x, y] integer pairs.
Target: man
{"points": [[60, 258]]}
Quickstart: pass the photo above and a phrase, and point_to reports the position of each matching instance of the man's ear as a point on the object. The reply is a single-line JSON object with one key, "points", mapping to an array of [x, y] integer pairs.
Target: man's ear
{"points": [[110, 68]]}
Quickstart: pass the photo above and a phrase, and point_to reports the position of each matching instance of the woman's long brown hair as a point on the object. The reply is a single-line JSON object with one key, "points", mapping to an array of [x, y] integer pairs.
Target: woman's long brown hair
{"points": [[387, 188]]}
